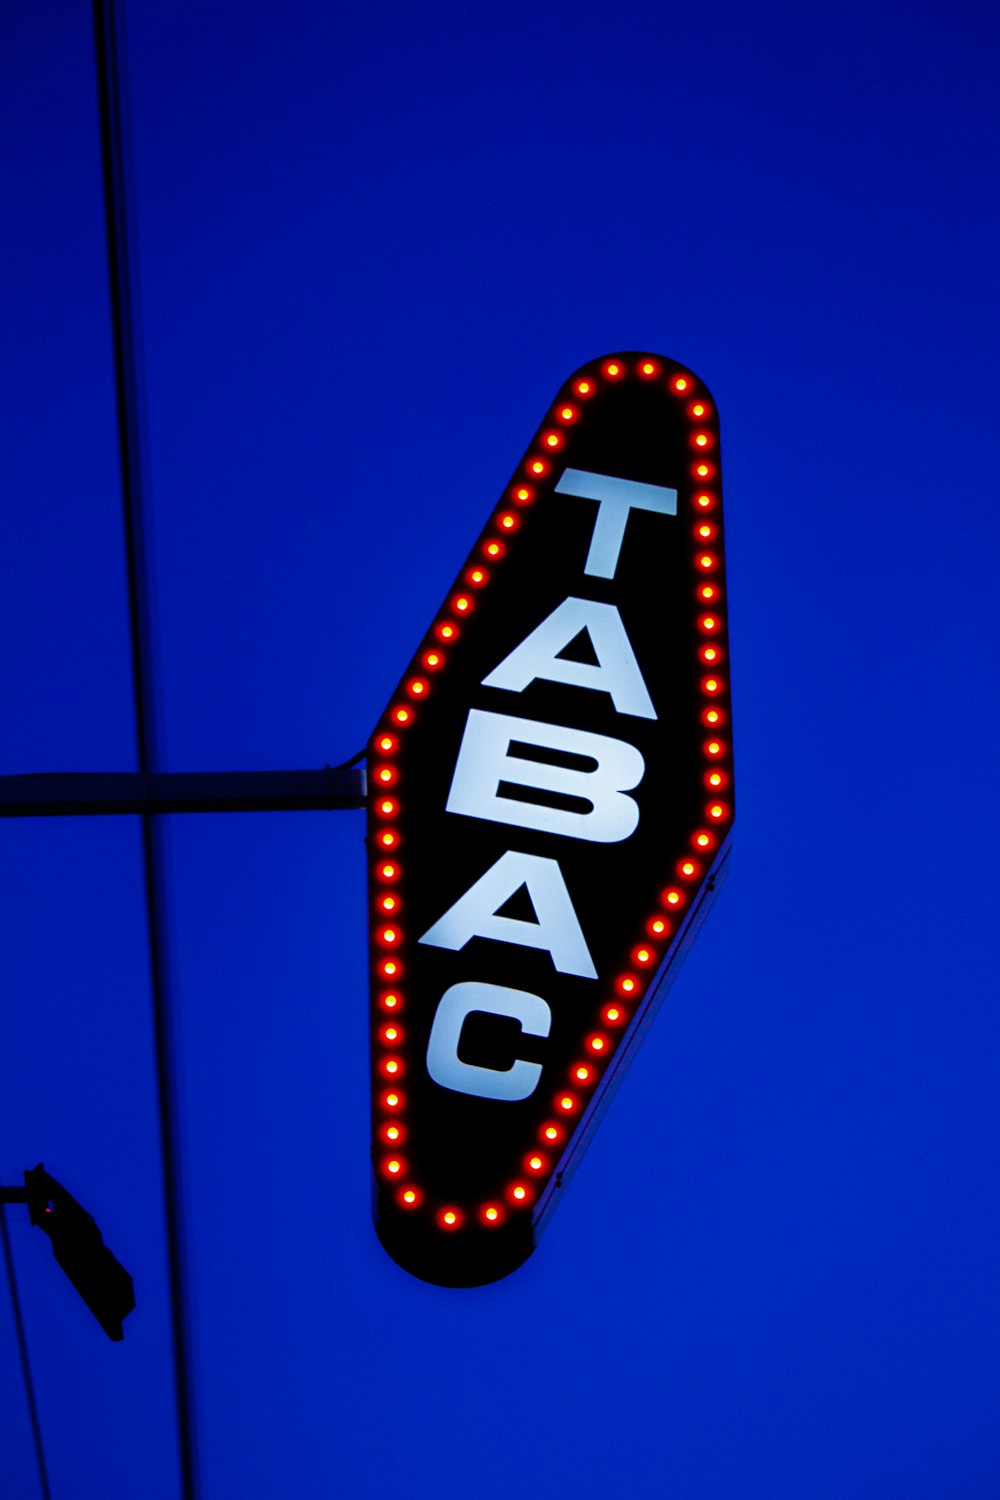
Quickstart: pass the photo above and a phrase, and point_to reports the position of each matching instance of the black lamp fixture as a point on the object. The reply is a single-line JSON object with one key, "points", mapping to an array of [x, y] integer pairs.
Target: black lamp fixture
{"points": [[78, 1247]]}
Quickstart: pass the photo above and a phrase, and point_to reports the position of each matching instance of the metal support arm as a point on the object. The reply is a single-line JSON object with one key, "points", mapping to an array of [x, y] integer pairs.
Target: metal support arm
{"points": [[87, 793]]}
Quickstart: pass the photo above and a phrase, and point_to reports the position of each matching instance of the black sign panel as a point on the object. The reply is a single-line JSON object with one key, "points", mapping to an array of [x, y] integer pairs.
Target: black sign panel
{"points": [[550, 803]]}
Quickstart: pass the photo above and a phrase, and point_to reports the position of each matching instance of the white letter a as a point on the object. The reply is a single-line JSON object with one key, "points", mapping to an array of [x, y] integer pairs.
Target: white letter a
{"points": [[617, 671], [557, 930]]}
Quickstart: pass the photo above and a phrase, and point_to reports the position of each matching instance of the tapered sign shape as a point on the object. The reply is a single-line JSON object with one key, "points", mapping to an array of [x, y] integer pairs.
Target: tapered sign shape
{"points": [[549, 816]]}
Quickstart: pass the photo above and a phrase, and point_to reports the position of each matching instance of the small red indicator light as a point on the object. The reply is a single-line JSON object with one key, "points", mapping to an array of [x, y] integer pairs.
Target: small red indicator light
{"points": [[642, 955], [387, 807], [657, 927], [613, 1015], [446, 631], [409, 1197], [567, 414], [394, 1167], [688, 870], [707, 561], [402, 715], [491, 1214], [582, 1073], [703, 471], [712, 685], [493, 549], [584, 388], [508, 521], [418, 687], [709, 654], [702, 440], [449, 1218], [708, 622], [392, 1100], [680, 383], [552, 1133], [390, 1001], [704, 840], [553, 440], [705, 502], [477, 577], [647, 368], [672, 898], [388, 838], [538, 466], [535, 1163], [708, 592], [628, 984], [387, 743], [433, 659], [519, 1194], [597, 1043], [524, 494], [388, 871], [392, 1133], [566, 1103], [613, 371], [462, 604]]}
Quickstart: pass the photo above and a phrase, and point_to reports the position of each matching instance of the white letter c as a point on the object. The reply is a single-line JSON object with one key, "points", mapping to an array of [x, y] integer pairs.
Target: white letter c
{"points": [[443, 1062]]}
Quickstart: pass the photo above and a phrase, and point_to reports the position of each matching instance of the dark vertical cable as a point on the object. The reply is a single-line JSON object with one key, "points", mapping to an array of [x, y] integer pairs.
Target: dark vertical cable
{"points": [[22, 1344], [128, 393]]}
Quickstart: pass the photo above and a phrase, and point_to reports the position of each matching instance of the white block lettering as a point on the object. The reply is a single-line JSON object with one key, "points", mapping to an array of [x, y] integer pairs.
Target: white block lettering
{"points": [[617, 671], [484, 762], [615, 498], [518, 1081], [556, 931]]}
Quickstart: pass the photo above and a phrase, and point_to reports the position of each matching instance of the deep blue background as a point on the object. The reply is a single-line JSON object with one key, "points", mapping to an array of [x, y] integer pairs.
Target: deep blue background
{"points": [[372, 243]]}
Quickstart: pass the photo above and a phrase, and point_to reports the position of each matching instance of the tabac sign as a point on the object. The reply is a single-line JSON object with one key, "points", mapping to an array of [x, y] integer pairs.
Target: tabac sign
{"points": [[550, 809]]}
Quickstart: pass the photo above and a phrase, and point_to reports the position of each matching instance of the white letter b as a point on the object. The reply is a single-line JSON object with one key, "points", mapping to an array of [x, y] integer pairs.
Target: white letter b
{"points": [[484, 761]]}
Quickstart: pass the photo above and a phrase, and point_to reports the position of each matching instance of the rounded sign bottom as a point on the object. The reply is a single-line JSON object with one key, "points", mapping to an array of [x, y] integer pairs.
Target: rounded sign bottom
{"points": [[459, 1255]]}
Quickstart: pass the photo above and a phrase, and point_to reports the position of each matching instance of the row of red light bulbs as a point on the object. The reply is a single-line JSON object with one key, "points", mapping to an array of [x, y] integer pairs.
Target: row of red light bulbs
{"points": [[583, 1075]]}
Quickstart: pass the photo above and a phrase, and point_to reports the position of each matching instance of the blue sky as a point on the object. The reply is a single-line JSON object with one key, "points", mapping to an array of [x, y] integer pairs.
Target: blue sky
{"points": [[371, 246]]}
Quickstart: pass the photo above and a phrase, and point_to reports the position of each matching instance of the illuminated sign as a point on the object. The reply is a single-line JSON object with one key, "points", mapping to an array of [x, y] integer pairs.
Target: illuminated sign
{"points": [[551, 799]]}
